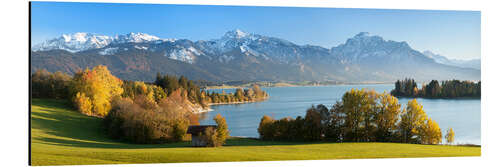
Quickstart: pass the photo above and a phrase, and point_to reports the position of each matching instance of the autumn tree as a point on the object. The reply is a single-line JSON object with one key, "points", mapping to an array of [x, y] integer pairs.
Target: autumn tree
{"points": [[412, 119], [239, 94], [83, 103], [357, 107], [99, 86], [250, 93], [136, 88], [221, 132], [138, 121], [265, 129], [430, 133], [361, 116], [259, 93], [313, 126], [386, 117], [450, 136], [335, 130], [369, 113]]}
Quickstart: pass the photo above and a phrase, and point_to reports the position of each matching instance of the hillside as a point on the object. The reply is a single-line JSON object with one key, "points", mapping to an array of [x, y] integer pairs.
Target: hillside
{"points": [[242, 56], [61, 136]]}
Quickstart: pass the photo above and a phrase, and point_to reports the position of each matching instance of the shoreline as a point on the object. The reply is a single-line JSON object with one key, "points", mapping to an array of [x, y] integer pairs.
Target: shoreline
{"points": [[440, 98], [199, 111], [239, 102], [293, 85]]}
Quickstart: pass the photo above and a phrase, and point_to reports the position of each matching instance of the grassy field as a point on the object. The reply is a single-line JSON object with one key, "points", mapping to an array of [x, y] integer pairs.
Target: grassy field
{"points": [[61, 136]]}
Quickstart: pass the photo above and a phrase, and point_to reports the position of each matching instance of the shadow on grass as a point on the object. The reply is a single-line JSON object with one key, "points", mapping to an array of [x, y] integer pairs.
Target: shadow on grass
{"points": [[57, 118], [235, 141], [186, 144], [115, 145]]}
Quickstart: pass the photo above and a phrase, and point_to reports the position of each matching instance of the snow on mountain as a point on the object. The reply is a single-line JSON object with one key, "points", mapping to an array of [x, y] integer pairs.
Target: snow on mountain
{"points": [[236, 34], [363, 57], [365, 46], [141, 47], [75, 42], [109, 51], [231, 40], [186, 55], [135, 38], [84, 41], [250, 44]]}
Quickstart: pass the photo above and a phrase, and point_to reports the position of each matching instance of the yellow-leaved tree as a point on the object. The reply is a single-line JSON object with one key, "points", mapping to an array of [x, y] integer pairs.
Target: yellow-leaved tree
{"points": [[98, 86], [387, 116], [430, 133], [412, 119], [222, 131], [450, 136]]}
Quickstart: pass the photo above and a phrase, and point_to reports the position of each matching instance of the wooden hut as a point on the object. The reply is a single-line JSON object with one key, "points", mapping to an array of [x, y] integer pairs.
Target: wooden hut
{"points": [[196, 131]]}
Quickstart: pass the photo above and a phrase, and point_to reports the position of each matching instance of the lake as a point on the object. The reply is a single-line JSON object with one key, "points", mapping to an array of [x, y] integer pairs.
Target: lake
{"points": [[463, 115]]}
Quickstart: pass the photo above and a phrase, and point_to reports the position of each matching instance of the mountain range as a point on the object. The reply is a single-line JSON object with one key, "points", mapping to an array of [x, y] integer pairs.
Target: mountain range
{"points": [[243, 56], [472, 63]]}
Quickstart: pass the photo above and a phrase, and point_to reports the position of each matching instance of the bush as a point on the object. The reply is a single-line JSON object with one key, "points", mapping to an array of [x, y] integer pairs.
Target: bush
{"points": [[134, 122]]}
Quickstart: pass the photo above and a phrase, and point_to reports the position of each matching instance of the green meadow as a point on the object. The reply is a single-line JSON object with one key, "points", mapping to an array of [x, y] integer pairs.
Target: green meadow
{"points": [[62, 136]]}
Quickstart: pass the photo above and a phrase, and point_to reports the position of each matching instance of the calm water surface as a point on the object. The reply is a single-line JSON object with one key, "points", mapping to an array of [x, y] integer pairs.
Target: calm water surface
{"points": [[463, 115]]}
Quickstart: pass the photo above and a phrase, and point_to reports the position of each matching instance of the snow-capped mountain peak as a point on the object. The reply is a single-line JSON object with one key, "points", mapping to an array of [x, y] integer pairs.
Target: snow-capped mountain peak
{"points": [[135, 38], [81, 41], [362, 57], [75, 42], [237, 33]]}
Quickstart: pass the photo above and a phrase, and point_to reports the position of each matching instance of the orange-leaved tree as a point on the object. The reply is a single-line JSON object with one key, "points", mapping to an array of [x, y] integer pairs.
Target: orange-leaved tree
{"points": [[99, 87]]}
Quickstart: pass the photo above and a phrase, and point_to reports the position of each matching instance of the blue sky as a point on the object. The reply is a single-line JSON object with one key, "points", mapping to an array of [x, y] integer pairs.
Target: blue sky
{"points": [[454, 34]]}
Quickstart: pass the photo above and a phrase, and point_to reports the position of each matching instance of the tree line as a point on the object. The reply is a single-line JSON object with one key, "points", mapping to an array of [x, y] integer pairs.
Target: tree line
{"points": [[255, 93], [361, 116], [45, 84], [92, 90], [447, 89], [205, 97], [133, 111]]}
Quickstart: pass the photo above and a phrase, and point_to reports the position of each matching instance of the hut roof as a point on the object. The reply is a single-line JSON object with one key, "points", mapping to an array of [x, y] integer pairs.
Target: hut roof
{"points": [[196, 129]]}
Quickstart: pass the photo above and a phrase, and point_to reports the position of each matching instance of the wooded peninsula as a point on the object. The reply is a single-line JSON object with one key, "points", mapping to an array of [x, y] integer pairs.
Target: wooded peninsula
{"points": [[445, 90]]}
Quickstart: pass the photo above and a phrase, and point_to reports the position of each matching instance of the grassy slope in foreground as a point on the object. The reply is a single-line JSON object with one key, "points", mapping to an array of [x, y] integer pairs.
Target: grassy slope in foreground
{"points": [[61, 136]]}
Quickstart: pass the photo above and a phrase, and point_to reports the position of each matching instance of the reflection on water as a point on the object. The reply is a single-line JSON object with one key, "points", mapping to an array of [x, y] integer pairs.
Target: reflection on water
{"points": [[463, 115]]}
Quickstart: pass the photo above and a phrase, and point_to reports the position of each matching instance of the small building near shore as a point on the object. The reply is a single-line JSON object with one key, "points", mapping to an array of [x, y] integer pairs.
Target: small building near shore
{"points": [[196, 131]]}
